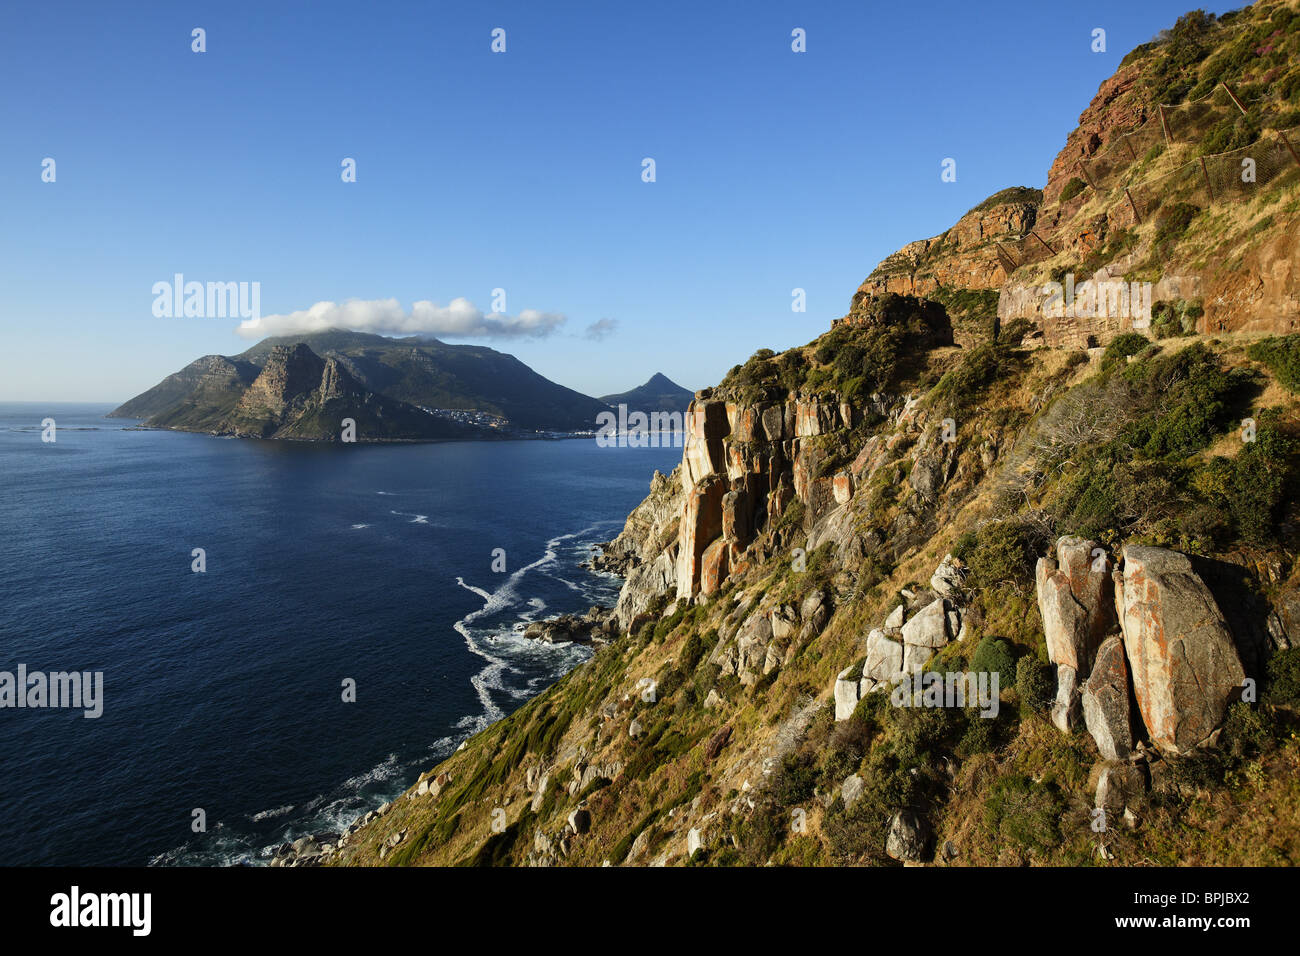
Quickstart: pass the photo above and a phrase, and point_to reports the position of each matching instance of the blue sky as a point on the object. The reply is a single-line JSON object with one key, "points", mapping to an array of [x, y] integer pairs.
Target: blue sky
{"points": [[519, 170]]}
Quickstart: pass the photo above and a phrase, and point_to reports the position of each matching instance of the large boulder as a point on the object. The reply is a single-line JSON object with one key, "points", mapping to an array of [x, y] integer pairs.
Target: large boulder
{"points": [[884, 663], [1185, 667], [1105, 700], [846, 693], [1076, 602], [929, 627], [908, 837]]}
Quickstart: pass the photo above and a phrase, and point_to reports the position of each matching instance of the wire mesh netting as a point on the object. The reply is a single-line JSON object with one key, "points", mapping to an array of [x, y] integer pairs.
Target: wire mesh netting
{"points": [[1234, 176], [1187, 123]]}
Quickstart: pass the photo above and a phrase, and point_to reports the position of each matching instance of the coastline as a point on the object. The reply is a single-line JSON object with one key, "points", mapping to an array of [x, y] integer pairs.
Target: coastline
{"points": [[596, 626]]}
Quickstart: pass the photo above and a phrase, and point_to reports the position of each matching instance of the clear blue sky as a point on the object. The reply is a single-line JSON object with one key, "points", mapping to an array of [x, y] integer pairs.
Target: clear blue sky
{"points": [[520, 170]]}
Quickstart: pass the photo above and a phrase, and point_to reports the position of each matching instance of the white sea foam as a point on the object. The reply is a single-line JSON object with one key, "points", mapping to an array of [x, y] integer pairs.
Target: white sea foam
{"points": [[272, 814]]}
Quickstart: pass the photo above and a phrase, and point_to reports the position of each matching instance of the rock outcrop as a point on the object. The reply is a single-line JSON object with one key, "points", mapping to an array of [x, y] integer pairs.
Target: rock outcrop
{"points": [[1185, 667], [1076, 601], [1105, 700], [909, 837]]}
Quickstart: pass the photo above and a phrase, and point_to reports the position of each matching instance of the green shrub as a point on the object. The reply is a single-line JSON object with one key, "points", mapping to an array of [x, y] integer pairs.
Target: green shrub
{"points": [[1009, 195], [1281, 355], [1024, 816], [1171, 225], [993, 655], [1034, 683], [1262, 472], [1072, 189], [1175, 318], [979, 368], [1190, 394], [1000, 551], [1283, 687], [1121, 347]]}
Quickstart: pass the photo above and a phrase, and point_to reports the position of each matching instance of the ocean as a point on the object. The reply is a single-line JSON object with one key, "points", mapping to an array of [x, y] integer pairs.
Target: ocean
{"points": [[223, 689]]}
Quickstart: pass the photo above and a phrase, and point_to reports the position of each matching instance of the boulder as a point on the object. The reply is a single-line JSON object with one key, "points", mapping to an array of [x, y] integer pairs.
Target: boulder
{"points": [[842, 487], [947, 579], [694, 841], [1067, 709], [784, 625], [915, 657], [908, 837], [851, 789], [884, 659], [580, 820], [1184, 665], [895, 619], [846, 693], [1105, 700], [813, 610], [540, 796], [928, 628], [714, 567], [1076, 602]]}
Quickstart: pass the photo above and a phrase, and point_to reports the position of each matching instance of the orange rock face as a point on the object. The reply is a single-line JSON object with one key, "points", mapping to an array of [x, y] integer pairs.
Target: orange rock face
{"points": [[1184, 664], [713, 567], [1114, 111], [701, 523]]}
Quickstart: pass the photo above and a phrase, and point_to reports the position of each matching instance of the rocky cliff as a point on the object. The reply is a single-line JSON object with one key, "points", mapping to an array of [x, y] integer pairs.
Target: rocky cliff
{"points": [[1179, 181], [931, 591]]}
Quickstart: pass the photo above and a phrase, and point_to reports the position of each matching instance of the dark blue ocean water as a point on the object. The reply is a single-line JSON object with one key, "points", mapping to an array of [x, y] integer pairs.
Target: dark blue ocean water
{"points": [[222, 690]]}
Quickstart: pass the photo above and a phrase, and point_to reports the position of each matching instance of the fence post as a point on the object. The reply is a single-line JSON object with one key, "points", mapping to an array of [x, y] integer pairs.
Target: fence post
{"points": [[1228, 89], [1164, 125], [1208, 188], [1086, 175], [1132, 154], [1287, 142], [1043, 241], [1137, 216]]}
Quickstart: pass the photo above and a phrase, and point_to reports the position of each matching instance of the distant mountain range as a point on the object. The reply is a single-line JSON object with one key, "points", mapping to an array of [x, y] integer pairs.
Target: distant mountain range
{"points": [[660, 394], [414, 388]]}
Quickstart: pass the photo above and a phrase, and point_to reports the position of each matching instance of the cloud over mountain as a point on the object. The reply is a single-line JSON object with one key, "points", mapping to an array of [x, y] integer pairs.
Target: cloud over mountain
{"points": [[461, 318]]}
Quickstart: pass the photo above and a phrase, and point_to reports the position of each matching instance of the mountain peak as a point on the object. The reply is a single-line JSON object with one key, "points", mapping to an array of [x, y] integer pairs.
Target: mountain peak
{"points": [[659, 394]]}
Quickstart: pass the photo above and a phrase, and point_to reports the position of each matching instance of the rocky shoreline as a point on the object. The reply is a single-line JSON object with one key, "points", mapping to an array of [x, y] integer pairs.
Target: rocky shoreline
{"points": [[597, 626]]}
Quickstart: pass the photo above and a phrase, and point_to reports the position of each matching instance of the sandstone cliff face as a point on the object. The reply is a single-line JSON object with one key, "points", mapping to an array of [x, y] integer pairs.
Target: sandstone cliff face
{"points": [[742, 466], [964, 257], [1117, 109], [287, 382], [1138, 161]]}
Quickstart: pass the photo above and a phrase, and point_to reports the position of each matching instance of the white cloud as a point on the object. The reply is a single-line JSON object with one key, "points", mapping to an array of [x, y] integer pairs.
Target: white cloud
{"points": [[460, 319], [601, 329]]}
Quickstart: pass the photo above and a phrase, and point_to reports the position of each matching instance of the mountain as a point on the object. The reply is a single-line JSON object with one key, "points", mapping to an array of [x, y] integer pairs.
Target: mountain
{"points": [[294, 393], [416, 371], [963, 581], [659, 394]]}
